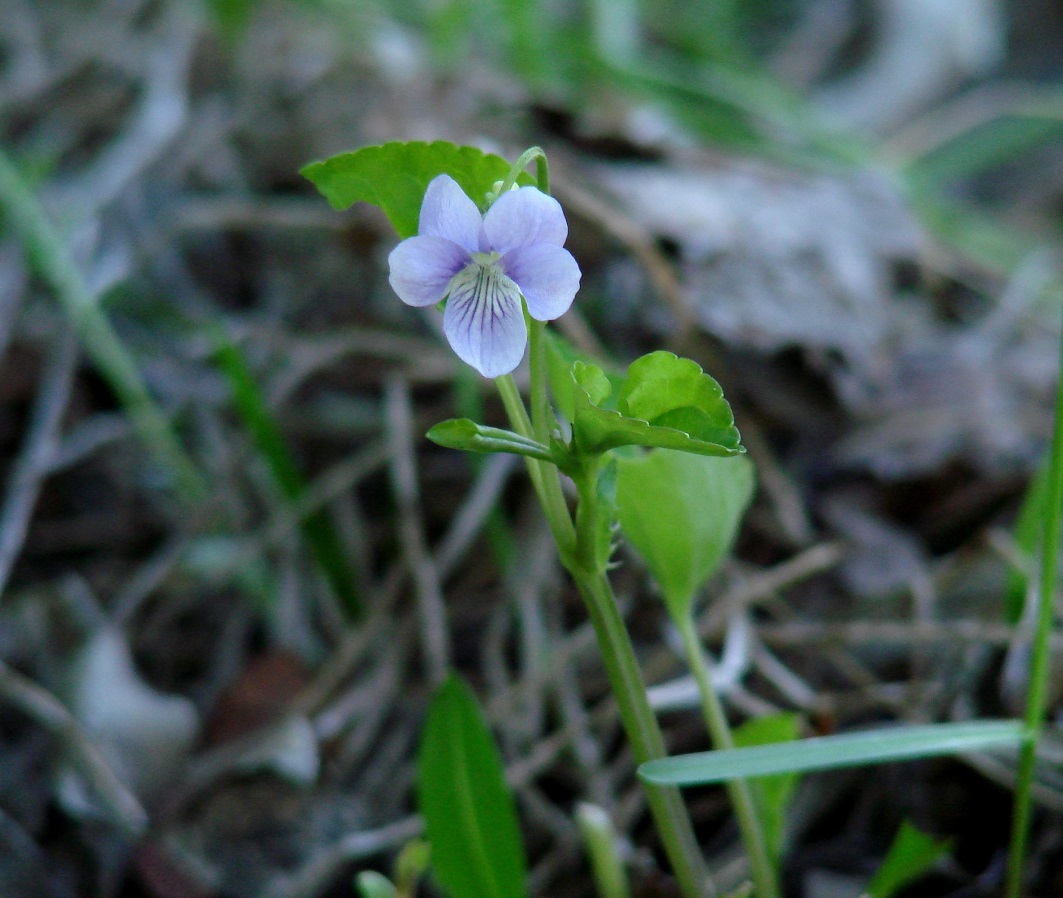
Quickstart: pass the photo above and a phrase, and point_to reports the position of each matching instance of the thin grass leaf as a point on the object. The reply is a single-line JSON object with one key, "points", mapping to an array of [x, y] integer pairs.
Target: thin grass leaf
{"points": [[317, 529], [116, 365], [831, 752]]}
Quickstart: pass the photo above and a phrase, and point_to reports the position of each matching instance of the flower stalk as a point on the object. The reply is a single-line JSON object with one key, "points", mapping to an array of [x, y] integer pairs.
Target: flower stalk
{"points": [[739, 792], [577, 547]]}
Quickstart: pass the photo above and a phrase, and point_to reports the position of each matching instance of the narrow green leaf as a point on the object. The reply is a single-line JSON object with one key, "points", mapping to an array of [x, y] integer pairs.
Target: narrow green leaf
{"points": [[461, 433], [1027, 535], [476, 849], [772, 794], [665, 402], [830, 752], [911, 855], [681, 513], [317, 529], [394, 176]]}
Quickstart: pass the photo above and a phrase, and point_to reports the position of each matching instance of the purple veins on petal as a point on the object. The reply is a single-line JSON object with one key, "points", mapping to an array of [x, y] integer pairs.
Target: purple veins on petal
{"points": [[484, 321], [489, 267], [422, 268]]}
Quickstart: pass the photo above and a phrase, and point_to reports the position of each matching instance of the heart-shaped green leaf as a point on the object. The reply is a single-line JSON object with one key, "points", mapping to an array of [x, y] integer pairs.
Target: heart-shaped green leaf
{"points": [[476, 849], [665, 402], [461, 433], [681, 513], [394, 176]]}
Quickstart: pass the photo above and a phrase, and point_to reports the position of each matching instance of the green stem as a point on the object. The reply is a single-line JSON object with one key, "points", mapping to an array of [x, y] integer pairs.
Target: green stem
{"points": [[643, 732], [738, 790], [542, 416], [577, 548], [544, 476], [1037, 693], [542, 170], [639, 721]]}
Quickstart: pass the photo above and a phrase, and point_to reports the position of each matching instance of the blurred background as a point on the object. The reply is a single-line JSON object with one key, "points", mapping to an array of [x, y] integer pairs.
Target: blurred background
{"points": [[227, 552]]}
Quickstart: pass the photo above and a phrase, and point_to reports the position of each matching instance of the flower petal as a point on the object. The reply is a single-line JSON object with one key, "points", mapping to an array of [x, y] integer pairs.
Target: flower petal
{"points": [[447, 212], [524, 217], [548, 277], [484, 320], [421, 268]]}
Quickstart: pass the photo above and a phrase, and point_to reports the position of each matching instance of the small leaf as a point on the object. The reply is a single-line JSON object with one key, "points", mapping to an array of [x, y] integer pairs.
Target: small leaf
{"points": [[662, 387], [911, 855], [681, 513], [470, 820], [461, 433], [410, 866], [394, 176], [831, 752], [771, 793], [370, 884], [560, 357], [665, 402]]}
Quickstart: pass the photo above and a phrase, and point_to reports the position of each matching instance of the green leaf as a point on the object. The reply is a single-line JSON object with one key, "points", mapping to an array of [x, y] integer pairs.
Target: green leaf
{"points": [[772, 794], [665, 402], [461, 433], [560, 357], [911, 855], [831, 752], [681, 513], [410, 866], [370, 884], [470, 820], [394, 176]]}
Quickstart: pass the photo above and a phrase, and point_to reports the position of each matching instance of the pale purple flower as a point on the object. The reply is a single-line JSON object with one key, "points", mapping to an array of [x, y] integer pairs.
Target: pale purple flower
{"points": [[485, 265]]}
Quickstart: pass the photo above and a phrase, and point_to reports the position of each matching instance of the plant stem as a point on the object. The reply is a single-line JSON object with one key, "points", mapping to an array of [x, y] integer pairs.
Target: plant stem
{"points": [[541, 413], [578, 552], [1037, 690], [643, 732], [543, 475], [741, 795], [542, 170], [640, 722]]}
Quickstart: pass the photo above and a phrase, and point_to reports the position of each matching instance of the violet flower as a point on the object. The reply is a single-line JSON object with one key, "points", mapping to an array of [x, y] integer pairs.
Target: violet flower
{"points": [[485, 265]]}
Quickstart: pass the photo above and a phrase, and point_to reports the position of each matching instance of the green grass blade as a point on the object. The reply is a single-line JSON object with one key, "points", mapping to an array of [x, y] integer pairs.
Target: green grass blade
{"points": [[830, 752], [317, 529], [49, 254]]}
